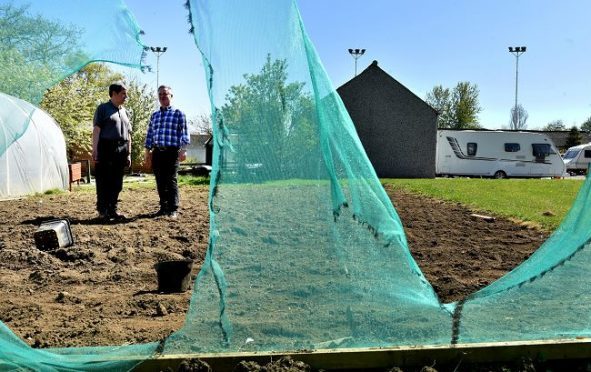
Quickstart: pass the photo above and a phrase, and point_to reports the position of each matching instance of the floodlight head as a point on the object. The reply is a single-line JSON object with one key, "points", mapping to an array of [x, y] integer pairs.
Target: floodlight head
{"points": [[158, 49], [362, 51], [510, 49], [351, 51], [523, 49]]}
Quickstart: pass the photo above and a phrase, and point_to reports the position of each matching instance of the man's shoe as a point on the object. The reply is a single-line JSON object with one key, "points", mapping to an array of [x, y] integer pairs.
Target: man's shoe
{"points": [[174, 215], [103, 216], [160, 212], [116, 216]]}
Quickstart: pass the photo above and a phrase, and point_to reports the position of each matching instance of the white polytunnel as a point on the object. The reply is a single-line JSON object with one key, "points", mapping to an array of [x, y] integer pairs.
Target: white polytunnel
{"points": [[32, 150]]}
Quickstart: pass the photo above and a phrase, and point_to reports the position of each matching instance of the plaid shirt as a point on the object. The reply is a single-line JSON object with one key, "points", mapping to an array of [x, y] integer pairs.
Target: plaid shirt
{"points": [[167, 128]]}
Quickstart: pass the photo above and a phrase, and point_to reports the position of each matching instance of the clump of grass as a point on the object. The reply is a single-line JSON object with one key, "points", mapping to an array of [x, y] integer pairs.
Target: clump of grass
{"points": [[189, 180], [51, 192]]}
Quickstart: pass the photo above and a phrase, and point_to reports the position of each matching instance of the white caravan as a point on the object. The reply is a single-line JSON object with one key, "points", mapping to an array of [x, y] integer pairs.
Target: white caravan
{"points": [[577, 158], [496, 154]]}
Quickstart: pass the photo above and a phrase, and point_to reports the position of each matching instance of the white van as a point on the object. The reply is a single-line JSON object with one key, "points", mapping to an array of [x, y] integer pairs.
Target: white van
{"points": [[577, 159], [496, 154]]}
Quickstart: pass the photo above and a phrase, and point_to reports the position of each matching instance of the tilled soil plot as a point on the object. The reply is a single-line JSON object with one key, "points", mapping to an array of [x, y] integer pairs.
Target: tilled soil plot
{"points": [[103, 290], [460, 254]]}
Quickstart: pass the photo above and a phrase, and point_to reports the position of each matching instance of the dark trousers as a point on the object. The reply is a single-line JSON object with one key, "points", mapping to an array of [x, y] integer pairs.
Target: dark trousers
{"points": [[165, 164], [109, 180]]}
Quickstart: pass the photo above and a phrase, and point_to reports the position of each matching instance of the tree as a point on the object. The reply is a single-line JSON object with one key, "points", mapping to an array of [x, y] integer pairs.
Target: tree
{"points": [[465, 104], [586, 126], [574, 137], [201, 124], [140, 104], [440, 99], [73, 101], [518, 118], [274, 120], [555, 125], [457, 109], [35, 52]]}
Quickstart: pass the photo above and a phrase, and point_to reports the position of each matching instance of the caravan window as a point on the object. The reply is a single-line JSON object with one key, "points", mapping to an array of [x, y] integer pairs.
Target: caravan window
{"points": [[571, 154], [472, 147], [588, 153], [541, 150], [512, 147]]}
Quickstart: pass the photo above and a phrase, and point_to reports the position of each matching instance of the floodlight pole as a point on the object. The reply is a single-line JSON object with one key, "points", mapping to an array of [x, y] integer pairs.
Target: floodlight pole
{"points": [[356, 54], [516, 51], [158, 51]]}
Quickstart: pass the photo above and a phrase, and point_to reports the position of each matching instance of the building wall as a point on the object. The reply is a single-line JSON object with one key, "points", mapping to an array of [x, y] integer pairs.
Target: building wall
{"points": [[397, 129], [196, 155], [196, 152]]}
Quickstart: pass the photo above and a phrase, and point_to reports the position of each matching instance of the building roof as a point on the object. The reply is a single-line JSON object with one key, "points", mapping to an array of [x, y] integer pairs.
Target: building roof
{"points": [[374, 70], [200, 139]]}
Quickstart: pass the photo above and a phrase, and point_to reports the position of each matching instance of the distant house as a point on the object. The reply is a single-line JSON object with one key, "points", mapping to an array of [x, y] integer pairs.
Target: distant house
{"points": [[196, 151], [397, 129]]}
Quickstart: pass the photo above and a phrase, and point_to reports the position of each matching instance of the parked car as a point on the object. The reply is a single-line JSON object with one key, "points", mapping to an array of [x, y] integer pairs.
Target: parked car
{"points": [[577, 159]]}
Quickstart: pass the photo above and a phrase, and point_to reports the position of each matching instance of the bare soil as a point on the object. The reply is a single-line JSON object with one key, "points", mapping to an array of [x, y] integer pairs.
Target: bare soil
{"points": [[103, 290]]}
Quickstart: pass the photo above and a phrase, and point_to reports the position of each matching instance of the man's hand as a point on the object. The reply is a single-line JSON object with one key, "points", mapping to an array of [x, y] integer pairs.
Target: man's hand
{"points": [[128, 161], [182, 155], [148, 158]]}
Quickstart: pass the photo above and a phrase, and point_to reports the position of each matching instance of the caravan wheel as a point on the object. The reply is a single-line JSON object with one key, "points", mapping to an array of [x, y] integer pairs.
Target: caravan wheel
{"points": [[500, 174]]}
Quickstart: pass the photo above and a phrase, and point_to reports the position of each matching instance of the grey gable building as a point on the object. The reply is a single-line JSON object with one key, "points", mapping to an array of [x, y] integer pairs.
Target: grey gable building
{"points": [[397, 129]]}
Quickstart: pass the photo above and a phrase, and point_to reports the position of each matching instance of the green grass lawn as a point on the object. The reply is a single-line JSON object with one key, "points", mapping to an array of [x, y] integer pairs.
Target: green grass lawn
{"points": [[527, 200]]}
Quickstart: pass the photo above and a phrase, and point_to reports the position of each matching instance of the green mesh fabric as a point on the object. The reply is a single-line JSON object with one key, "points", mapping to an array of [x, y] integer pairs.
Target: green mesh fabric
{"points": [[45, 41], [306, 251], [546, 297], [15, 116], [16, 355]]}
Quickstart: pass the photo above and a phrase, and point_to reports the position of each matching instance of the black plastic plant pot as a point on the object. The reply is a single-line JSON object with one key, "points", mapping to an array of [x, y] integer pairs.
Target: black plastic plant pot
{"points": [[174, 275]]}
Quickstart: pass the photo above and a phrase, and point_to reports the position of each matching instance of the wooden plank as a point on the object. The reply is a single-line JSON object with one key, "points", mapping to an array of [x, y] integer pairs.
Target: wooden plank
{"points": [[483, 217], [404, 356], [75, 170]]}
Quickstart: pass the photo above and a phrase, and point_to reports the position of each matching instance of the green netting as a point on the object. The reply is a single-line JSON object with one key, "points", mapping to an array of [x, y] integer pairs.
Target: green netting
{"points": [[15, 116], [306, 251], [305, 246], [45, 41], [16, 355], [546, 297]]}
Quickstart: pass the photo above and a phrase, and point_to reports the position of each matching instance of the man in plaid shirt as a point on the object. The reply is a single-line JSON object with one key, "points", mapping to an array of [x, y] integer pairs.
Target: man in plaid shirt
{"points": [[166, 143]]}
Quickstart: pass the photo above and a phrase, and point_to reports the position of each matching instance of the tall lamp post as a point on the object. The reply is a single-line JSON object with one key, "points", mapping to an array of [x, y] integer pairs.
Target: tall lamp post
{"points": [[516, 51], [356, 53], [158, 51]]}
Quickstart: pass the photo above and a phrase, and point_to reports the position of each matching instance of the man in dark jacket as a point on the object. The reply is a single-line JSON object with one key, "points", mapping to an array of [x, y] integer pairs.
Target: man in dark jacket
{"points": [[111, 150]]}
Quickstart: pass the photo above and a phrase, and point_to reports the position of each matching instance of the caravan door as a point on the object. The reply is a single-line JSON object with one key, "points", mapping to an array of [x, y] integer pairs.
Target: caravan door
{"points": [[543, 165]]}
